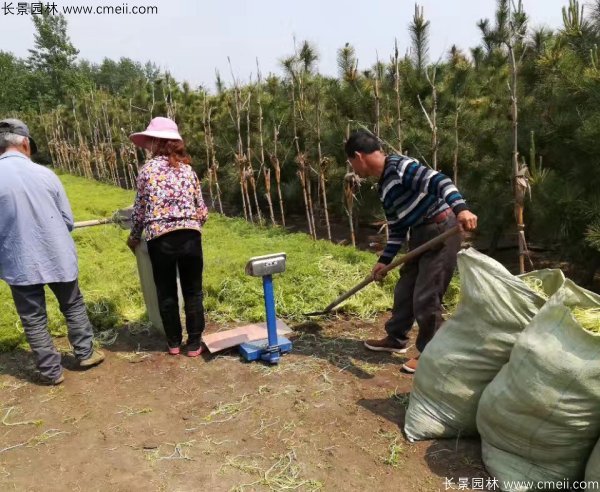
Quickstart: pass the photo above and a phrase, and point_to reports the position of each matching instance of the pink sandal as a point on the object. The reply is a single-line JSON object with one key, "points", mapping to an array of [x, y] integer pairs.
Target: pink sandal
{"points": [[195, 353], [174, 350]]}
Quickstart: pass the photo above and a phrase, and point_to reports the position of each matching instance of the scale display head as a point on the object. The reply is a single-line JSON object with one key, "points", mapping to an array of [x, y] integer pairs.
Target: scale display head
{"points": [[259, 266]]}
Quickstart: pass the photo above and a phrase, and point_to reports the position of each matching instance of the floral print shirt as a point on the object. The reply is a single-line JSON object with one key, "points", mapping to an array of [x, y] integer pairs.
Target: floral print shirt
{"points": [[167, 199]]}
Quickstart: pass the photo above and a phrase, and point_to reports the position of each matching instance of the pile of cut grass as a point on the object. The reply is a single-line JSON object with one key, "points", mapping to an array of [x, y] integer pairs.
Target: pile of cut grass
{"points": [[317, 271], [588, 318], [452, 296]]}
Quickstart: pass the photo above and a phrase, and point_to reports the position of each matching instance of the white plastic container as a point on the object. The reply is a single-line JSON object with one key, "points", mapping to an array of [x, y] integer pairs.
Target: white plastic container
{"points": [[148, 286]]}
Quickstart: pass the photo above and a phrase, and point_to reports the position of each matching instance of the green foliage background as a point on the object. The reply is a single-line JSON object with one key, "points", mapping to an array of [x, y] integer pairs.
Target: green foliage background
{"points": [[558, 96]]}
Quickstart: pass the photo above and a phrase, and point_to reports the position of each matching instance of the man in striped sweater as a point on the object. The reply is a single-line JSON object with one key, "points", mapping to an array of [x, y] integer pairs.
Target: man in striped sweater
{"points": [[426, 202]]}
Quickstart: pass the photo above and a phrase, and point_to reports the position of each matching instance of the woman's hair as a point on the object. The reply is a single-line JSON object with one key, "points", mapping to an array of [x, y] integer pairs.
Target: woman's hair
{"points": [[174, 150]]}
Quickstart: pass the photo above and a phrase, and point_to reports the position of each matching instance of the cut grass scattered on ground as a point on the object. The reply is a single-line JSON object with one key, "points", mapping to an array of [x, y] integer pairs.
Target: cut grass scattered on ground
{"points": [[36, 422], [36, 440], [395, 449], [130, 412], [180, 452], [284, 474], [227, 411]]}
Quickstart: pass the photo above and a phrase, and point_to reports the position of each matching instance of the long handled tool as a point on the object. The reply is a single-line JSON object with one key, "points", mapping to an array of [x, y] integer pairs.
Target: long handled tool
{"points": [[121, 217], [405, 259]]}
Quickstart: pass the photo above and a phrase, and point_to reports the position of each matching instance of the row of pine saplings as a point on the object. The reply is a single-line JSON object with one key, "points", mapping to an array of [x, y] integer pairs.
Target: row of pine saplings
{"points": [[99, 157]]}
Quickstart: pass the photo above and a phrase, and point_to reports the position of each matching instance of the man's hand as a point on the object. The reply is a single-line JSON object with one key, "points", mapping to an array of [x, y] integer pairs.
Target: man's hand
{"points": [[466, 221], [377, 273], [132, 244]]}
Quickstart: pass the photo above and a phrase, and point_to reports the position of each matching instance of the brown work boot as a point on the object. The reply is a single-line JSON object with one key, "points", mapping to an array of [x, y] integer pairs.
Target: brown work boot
{"points": [[410, 366], [45, 380], [387, 344], [93, 360]]}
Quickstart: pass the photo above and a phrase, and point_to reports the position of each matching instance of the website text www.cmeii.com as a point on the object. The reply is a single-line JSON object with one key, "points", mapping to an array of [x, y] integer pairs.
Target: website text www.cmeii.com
{"points": [[488, 484], [52, 8]]}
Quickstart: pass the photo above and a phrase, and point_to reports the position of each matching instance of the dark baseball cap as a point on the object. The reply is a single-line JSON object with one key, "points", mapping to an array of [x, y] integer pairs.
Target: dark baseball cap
{"points": [[17, 127]]}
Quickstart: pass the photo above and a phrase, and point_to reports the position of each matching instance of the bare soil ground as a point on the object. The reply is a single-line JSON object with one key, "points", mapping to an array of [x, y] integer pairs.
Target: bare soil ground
{"points": [[328, 417]]}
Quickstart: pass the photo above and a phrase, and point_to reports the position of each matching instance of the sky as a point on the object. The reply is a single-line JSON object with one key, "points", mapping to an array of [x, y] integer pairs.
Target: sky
{"points": [[192, 38]]}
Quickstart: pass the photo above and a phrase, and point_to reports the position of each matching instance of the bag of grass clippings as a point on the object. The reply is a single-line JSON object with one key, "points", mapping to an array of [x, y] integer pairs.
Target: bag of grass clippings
{"points": [[471, 347], [539, 419], [592, 469]]}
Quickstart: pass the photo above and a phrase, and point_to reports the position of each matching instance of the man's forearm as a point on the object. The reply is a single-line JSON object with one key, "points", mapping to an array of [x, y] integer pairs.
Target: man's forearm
{"points": [[395, 241]]}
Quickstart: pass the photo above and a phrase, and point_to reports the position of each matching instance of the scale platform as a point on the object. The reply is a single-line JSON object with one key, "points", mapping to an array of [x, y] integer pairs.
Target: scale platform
{"points": [[259, 349], [271, 348]]}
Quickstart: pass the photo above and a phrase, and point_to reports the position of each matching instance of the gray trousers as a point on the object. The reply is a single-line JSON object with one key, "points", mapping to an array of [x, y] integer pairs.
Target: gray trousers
{"points": [[30, 301], [423, 282]]}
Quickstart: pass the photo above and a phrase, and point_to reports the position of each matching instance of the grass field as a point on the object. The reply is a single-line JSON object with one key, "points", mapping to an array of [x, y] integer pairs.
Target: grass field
{"points": [[317, 271]]}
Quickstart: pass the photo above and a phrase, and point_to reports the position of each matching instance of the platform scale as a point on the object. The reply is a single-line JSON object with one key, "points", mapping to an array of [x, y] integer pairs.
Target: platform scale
{"points": [[270, 349]]}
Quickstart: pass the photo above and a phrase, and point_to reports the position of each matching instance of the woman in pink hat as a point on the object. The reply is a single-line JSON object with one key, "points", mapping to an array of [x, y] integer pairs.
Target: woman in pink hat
{"points": [[169, 209]]}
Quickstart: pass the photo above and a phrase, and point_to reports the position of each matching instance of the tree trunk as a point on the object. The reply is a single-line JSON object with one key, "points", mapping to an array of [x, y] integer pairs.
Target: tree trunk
{"points": [[251, 178], [214, 165], [302, 178], [208, 157], [245, 190], [277, 167], [397, 91], [300, 159], [218, 190], [267, 176], [349, 204], [310, 202], [322, 166], [432, 119], [265, 169], [434, 130], [455, 160], [519, 194], [240, 154], [377, 100]]}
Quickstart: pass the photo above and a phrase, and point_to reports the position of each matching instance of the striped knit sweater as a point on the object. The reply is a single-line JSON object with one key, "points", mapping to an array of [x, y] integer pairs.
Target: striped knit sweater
{"points": [[411, 193]]}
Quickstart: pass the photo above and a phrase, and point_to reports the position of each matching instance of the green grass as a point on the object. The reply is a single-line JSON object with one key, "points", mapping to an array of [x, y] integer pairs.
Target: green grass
{"points": [[317, 271]]}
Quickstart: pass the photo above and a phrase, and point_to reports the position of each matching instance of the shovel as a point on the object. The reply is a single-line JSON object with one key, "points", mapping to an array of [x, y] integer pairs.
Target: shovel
{"points": [[405, 259]]}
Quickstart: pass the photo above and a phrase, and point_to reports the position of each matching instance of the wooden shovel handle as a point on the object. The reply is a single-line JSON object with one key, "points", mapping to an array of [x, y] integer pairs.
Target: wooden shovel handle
{"points": [[411, 255]]}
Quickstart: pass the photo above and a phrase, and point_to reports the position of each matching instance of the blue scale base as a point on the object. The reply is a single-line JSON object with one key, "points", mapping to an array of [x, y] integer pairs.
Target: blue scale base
{"points": [[258, 350]]}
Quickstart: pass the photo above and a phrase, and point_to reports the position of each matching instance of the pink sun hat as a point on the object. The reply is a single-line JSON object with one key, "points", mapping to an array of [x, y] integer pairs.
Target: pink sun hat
{"points": [[159, 127]]}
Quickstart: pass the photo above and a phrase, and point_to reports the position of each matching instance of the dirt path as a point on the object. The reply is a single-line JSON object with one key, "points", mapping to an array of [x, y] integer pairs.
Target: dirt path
{"points": [[327, 417]]}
